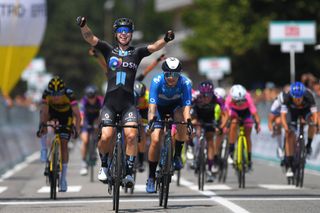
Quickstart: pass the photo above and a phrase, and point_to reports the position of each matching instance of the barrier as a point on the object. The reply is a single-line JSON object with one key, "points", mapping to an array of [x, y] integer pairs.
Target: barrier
{"points": [[17, 135]]}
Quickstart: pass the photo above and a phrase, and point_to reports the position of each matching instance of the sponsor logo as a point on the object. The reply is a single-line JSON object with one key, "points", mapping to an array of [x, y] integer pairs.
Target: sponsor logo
{"points": [[115, 63]]}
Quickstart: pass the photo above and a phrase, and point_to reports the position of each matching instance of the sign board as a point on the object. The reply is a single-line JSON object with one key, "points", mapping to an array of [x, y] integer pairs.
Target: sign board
{"points": [[211, 64], [287, 47], [293, 31], [215, 75]]}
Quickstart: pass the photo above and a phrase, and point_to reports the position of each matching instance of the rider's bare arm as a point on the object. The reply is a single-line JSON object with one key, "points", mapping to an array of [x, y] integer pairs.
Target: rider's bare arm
{"points": [[76, 114], [156, 45], [284, 123], [152, 111], [186, 113], [44, 113], [88, 35]]}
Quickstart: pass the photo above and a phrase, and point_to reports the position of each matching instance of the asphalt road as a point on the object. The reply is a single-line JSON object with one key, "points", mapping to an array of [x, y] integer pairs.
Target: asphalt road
{"points": [[23, 189]]}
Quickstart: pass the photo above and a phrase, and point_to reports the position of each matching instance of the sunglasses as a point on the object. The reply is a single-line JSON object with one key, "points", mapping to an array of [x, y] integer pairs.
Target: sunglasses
{"points": [[124, 30], [171, 74]]}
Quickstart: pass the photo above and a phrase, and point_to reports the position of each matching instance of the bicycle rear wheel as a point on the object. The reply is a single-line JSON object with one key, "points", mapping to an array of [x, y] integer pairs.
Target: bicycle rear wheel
{"points": [[201, 165], [224, 161], [92, 156]]}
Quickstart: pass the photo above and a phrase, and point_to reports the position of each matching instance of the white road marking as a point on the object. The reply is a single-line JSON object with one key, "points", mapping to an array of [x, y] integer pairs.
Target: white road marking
{"points": [[215, 187], [20, 166], [3, 188], [274, 198], [279, 187], [46, 189], [213, 196]]}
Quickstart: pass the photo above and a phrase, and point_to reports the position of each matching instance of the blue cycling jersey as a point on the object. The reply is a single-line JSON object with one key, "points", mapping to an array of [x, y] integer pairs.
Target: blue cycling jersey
{"points": [[163, 95]]}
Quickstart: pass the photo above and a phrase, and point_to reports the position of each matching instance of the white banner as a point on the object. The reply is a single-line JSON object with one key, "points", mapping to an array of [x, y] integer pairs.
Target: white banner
{"points": [[22, 22], [301, 31]]}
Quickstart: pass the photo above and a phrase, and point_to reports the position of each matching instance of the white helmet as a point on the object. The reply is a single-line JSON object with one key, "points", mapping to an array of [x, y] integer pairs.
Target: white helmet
{"points": [[238, 92], [220, 92]]}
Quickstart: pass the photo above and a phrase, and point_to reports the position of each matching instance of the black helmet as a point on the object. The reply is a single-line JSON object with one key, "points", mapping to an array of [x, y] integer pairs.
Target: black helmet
{"points": [[171, 65], [56, 85], [139, 88], [123, 22], [91, 91]]}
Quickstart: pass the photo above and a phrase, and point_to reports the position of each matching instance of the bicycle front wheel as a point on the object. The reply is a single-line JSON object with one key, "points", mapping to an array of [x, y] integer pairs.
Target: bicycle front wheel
{"points": [[201, 166], [168, 172], [118, 177], [54, 172]]}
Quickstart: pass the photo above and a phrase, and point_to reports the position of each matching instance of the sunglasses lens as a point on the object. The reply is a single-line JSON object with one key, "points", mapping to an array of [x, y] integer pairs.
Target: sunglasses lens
{"points": [[123, 30], [171, 74]]}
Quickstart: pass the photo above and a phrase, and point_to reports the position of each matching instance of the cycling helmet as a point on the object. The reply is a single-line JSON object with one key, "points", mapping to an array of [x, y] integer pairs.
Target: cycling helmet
{"points": [[56, 85], [91, 91], [123, 22], [171, 65], [220, 92], [238, 92], [206, 87], [297, 89], [139, 88]]}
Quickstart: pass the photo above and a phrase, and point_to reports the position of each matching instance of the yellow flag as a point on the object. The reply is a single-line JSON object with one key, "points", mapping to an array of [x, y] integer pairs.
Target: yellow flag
{"points": [[22, 26]]}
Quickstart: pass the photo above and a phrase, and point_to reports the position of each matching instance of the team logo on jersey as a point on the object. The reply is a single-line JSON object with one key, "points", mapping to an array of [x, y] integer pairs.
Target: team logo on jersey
{"points": [[115, 63]]}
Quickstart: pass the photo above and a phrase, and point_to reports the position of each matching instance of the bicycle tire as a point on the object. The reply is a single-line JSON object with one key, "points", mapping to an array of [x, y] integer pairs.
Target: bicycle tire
{"points": [[244, 164], [161, 190], [201, 166], [240, 161], [54, 173], [91, 156], [301, 163], [168, 169], [118, 172], [224, 160]]}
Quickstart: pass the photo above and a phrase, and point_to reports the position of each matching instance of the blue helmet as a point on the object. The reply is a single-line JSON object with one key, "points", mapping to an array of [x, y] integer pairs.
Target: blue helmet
{"points": [[297, 89]]}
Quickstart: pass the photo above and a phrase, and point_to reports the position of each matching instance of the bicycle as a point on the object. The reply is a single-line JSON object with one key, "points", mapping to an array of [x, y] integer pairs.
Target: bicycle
{"points": [[117, 166], [91, 157], [299, 159], [241, 160], [54, 160], [164, 174], [223, 164]]}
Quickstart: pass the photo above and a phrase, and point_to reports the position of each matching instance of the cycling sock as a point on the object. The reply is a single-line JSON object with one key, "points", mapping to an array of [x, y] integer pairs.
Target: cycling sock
{"points": [[152, 169], [249, 156], [64, 171], [141, 157], [43, 142], [130, 164], [231, 150], [178, 148], [210, 163], [216, 159], [309, 142], [104, 159], [290, 161]]}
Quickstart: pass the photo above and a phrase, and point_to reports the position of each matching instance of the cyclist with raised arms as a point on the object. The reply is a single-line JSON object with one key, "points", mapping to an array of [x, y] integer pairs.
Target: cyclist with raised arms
{"points": [[240, 105], [122, 61], [59, 105], [90, 106], [170, 93], [208, 108], [299, 102]]}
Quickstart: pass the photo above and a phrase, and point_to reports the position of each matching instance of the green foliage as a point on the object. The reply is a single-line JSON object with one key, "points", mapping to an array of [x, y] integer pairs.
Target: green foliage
{"points": [[239, 29]]}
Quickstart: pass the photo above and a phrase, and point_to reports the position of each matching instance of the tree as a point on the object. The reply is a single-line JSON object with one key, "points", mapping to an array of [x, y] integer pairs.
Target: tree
{"points": [[239, 29]]}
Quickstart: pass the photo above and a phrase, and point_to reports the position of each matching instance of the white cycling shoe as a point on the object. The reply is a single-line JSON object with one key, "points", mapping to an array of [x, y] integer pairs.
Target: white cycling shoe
{"points": [[102, 176]]}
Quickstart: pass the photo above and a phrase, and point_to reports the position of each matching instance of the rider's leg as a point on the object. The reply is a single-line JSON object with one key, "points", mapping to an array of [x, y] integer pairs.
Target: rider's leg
{"points": [[84, 145], [210, 146], [131, 146], [104, 150], [311, 133], [232, 135], [180, 137], [65, 159]]}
